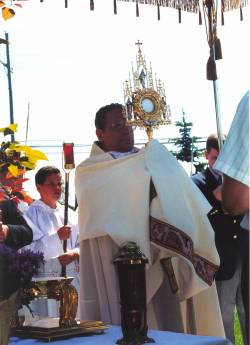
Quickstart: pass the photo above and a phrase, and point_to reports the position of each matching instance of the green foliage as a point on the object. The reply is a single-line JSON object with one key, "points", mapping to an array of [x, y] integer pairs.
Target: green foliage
{"points": [[187, 150], [200, 167], [237, 330]]}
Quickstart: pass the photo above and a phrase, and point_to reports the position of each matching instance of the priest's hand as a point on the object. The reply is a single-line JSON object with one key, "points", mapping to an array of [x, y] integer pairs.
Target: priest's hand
{"points": [[68, 257], [64, 232]]}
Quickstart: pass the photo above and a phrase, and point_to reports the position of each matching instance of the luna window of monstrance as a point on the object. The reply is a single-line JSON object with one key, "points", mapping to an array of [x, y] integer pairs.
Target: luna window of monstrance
{"points": [[145, 99]]}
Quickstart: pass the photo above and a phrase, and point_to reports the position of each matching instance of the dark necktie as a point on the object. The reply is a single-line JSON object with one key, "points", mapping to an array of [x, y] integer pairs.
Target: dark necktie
{"points": [[219, 180]]}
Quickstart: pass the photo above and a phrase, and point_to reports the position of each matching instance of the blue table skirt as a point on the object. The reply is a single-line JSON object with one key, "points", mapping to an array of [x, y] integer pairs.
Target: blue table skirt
{"points": [[113, 333]]}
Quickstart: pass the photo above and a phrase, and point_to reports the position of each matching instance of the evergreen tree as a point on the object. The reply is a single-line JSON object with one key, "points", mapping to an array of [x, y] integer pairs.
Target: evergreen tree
{"points": [[187, 152]]}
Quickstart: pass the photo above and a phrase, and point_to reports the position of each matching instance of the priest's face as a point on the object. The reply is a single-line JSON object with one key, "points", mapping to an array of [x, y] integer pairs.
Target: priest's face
{"points": [[50, 190], [116, 136]]}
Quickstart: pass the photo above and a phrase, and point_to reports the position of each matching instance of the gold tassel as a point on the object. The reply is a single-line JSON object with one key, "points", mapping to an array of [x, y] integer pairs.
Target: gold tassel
{"points": [[137, 9], [200, 18], [158, 11], [115, 7], [179, 14], [217, 49], [211, 69], [92, 5], [241, 13]]}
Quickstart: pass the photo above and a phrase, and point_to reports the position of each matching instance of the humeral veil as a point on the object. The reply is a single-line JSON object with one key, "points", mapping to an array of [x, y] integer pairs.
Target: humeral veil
{"points": [[171, 227]]}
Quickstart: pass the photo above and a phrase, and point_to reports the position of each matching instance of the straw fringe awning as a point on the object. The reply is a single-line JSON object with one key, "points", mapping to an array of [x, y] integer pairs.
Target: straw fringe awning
{"points": [[228, 5], [185, 5], [181, 5], [190, 5]]}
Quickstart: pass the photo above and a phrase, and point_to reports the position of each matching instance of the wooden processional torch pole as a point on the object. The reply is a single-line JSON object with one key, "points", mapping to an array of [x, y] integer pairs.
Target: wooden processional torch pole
{"points": [[69, 164]]}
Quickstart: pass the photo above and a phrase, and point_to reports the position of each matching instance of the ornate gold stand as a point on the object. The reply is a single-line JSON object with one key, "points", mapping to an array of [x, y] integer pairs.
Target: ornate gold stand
{"points": [[66, 325], [145, 103], [53, 333]]}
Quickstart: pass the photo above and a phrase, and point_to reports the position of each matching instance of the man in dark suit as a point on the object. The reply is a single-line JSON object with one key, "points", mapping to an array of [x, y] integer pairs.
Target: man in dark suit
{"points": [[14, 233], [232, 243]]}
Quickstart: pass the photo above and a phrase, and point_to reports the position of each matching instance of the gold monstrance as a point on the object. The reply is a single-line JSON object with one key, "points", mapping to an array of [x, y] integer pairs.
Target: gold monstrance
{"points": [[145, 103]]}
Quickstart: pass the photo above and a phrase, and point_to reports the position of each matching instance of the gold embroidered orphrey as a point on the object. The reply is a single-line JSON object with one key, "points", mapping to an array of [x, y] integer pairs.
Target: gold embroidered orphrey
{"points": [[145, 103]]}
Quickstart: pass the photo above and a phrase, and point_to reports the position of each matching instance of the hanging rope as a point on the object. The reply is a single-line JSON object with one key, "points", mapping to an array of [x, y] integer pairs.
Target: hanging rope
{"points": [[158, 11], [137, 9], [115, 7]]}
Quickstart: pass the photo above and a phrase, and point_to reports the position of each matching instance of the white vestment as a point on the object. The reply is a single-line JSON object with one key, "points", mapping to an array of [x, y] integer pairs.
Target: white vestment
{"points": [[114, 207], [44, 222]]}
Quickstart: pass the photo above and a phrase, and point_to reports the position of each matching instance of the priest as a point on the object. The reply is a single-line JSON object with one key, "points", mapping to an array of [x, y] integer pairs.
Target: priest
{"points": [[145, 196]]}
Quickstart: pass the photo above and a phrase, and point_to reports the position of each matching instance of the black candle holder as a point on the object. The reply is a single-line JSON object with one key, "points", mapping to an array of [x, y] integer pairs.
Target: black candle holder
{"points": [[130, 263]]}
